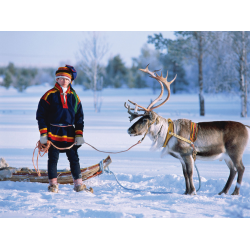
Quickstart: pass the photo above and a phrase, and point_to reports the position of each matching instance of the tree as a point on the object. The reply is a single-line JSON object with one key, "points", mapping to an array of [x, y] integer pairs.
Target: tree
{"points": [[137, 79], [81, 78], [229, 65], [25, 77], [7, 80], [197, 43], [240, 46], [188, 45], [116, 72], [172, 58], [92, 51], [219, 68], [11, 68], [22, 83], [45, 75], [9, 75]]}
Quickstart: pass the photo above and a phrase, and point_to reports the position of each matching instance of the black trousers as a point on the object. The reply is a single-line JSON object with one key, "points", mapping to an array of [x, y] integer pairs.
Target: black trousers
{"points": [[53, 156]]}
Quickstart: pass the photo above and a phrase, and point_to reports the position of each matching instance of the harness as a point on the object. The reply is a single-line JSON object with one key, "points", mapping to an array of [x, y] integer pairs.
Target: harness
{"points": [[170, 133], [193, 135]]}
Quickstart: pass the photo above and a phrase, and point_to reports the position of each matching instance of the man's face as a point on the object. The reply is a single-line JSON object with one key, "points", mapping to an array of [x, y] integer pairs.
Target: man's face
{"points": [[63, 82]]}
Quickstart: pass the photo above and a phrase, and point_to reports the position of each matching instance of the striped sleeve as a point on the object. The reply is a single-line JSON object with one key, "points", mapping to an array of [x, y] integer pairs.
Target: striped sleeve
{"points": [[42, 115], [79, 122]]}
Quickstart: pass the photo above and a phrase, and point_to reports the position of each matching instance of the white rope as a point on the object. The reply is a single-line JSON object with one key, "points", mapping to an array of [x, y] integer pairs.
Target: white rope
{"points": [[139, 190], [130, 189]]}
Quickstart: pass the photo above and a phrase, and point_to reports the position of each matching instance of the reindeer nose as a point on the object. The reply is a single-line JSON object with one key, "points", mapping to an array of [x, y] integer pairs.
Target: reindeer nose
{"points": [[130, 130]]}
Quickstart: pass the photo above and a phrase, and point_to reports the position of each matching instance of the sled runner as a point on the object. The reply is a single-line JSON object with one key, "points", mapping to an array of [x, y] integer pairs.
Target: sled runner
{"points": [[64, 177]]}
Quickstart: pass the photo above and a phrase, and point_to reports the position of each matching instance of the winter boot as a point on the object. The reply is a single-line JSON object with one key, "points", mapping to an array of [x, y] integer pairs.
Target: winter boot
{"points": [[79, 186], [53, 186]]}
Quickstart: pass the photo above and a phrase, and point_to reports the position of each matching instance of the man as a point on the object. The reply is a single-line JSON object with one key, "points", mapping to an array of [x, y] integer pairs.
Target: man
{"points": [[60, 120]]}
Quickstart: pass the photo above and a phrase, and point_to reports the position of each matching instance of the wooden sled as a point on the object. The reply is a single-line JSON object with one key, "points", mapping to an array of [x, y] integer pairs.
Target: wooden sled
{"points": [[64, 177]]}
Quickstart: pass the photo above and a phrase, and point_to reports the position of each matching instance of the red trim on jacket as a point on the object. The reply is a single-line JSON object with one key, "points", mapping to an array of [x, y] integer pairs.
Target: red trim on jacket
{"points": [[61, 138], [64, 104]]}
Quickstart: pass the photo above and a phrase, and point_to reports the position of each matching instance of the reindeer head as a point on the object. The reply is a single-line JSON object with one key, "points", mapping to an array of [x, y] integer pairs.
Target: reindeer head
{"points": [[141, 126], [148, 117]]}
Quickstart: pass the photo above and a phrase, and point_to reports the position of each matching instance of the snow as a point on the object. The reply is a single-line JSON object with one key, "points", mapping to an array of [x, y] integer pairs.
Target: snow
{"points": [[138, 168]]}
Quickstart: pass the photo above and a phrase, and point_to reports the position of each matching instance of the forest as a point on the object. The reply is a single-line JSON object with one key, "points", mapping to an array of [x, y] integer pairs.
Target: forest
{"points": [[204, 62]]}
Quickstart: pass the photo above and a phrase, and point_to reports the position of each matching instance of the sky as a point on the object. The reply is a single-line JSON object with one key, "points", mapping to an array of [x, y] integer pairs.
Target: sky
{"points": [[54, 48]]}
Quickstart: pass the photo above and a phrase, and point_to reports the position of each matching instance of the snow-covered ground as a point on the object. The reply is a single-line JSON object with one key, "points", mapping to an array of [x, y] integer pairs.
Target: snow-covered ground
{"points": [[138, 168]]}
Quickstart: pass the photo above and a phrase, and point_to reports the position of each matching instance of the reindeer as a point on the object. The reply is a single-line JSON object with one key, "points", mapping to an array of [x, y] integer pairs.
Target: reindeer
{"points": [[217, 140]]}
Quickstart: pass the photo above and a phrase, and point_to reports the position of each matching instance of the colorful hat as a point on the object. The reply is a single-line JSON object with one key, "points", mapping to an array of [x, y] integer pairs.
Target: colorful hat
{"points": [[73, 71], [67, 72]]}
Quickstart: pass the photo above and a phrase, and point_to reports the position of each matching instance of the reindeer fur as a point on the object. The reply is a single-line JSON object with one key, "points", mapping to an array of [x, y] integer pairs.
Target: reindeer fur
{"points": [[219, 140]]}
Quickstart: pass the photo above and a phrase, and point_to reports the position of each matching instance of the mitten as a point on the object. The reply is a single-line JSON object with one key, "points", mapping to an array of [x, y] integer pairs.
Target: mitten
{"points": [[79, 140], [43, 139]]}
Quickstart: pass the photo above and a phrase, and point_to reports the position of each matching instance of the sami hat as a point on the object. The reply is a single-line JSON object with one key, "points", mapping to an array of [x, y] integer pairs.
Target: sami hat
{"points": [[67, 72]]}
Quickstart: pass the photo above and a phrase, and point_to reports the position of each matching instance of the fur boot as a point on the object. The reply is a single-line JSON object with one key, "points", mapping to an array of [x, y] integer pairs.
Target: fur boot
{"points": [[53, 186], [79, 186]]}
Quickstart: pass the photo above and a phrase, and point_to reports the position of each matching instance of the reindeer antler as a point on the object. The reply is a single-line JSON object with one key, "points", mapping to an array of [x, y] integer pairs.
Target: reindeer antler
{"points": [[151, 73], [162, 81], [166, 83], [133, 115]]}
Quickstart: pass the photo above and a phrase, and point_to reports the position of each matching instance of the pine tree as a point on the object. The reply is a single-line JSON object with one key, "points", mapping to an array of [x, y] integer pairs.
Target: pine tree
{"points": [[7, 79], [116, 72], [188, 46], [172, 58]]}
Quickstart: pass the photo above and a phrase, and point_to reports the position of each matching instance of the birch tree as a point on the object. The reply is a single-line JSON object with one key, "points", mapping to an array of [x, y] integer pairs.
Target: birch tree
{"points": [[227, 65], [92, 50], [197, 45], [221, 74], [188, 45], [226, 68], [240, 46]]}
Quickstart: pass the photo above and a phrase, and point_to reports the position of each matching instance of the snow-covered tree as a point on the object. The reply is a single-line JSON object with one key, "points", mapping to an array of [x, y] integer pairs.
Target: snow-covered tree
{"points": [[92, 51], [240, 46]]}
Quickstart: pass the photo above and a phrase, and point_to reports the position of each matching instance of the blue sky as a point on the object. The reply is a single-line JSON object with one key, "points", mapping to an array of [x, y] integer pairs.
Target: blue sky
{"points": [[52, 48]]}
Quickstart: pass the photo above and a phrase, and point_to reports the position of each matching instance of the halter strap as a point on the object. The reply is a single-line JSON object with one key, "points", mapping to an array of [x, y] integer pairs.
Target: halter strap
{"points": [[169, 133]]}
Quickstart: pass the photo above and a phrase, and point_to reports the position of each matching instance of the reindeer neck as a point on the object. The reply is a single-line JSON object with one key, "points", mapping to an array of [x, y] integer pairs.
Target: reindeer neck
{"points": [[157, 132]]}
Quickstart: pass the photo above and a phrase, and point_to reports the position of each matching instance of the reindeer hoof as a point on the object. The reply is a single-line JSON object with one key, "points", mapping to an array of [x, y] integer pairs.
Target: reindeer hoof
{"points": [[189, 192], [222, 192], [193, 193], [235, 193]]}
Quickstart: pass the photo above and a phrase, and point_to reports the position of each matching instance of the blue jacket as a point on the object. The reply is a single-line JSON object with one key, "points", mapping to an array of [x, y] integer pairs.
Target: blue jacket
{"points": [[61, 120]]}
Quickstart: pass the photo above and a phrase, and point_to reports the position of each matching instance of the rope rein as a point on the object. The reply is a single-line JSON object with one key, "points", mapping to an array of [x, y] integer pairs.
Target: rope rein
{"points": [[140, 141], [44, 149], [114, 152], [139, 190]]}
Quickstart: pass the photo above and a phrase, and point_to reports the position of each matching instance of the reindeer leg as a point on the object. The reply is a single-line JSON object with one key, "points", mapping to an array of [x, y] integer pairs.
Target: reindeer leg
{"points": [[235, 151], [230, 178], [240, 169], [189, 162], [186, 177]]}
